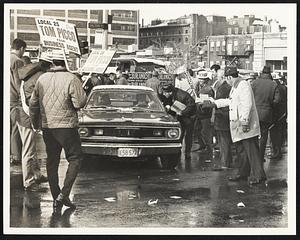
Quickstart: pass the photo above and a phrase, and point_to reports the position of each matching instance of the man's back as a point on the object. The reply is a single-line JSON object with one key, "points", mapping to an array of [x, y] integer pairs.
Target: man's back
{"points": [[264, 92], [59, 94]]}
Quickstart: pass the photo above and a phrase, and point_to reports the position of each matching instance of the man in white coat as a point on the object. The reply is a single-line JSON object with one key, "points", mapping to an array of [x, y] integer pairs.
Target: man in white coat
{"points": [[244, 127]]}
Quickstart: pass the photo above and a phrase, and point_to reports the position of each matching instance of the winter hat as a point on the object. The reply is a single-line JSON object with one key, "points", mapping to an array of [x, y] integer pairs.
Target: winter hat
{"points": [[266, 70]]}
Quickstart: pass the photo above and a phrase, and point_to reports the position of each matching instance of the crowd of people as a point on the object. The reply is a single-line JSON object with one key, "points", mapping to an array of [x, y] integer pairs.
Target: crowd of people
{"points": [[238, 113], [222, 111]]}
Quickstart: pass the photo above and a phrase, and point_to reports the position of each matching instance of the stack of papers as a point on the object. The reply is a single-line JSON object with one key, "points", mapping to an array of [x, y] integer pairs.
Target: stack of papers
{"points": [[178, 107]]}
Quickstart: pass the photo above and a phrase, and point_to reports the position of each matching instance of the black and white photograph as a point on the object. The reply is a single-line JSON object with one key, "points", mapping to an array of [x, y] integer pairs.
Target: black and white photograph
{"points": [[150, 119]]}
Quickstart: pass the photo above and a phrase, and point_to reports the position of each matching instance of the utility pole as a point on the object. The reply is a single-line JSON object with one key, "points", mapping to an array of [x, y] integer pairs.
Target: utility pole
{"points": [[105, 32]]}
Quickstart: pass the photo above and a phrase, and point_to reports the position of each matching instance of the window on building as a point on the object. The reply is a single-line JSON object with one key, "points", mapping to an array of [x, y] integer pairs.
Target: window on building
{"points": [[235, 45], [186, 39], [77, 13], [29, 36], [186, 31], [79, 24], [26, 21], [55, 13], [218, 43], [179, 40], [29, 12], [124, 41], [123, 27]]}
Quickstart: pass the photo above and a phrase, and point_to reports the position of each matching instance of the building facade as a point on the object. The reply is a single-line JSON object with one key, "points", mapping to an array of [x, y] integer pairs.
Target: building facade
{"points": [[124, 27], [244, 25], [231, 50], [183, 32], [270, 49]]}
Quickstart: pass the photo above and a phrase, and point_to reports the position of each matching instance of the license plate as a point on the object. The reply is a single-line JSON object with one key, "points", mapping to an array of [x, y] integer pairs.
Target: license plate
{"points": [[127, 152]]}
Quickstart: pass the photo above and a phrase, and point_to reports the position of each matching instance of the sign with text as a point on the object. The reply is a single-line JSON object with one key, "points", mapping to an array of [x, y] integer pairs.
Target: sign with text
{"points": [[58, 34], [98, 61], [139, 78]]}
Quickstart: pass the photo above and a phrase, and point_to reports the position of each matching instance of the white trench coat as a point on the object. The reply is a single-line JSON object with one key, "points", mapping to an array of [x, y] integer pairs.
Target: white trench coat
{"points": [[242, 110]]}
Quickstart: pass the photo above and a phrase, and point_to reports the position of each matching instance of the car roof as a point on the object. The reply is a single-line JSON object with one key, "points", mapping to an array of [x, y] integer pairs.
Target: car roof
{"points": [[122, 87]]}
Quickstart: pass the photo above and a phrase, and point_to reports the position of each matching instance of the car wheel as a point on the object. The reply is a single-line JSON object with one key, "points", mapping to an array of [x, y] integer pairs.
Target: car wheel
{"points": [[170, 161]]}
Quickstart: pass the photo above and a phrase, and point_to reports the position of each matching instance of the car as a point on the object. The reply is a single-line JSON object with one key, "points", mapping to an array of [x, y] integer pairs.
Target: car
{"points": [[129, 122]]}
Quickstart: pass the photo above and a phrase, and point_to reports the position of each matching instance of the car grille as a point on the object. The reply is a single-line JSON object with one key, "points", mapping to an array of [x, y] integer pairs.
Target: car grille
{"points": [[137, 132]]}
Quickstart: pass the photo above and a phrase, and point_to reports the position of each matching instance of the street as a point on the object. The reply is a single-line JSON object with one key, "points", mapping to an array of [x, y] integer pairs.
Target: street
{"points": [[141, 194]]}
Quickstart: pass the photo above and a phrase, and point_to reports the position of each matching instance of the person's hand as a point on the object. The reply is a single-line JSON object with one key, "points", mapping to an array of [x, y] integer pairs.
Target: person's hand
{"points": [[212, 100], [167, 107], [245, 128], [36, 130]]}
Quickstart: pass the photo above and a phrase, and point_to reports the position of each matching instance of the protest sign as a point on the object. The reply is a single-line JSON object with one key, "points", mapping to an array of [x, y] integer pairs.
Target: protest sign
{"points": [[98, 61], [58, 34]]}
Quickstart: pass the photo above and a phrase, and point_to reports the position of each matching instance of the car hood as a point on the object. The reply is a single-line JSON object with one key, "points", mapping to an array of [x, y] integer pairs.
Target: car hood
{"points": [[95, 117]]}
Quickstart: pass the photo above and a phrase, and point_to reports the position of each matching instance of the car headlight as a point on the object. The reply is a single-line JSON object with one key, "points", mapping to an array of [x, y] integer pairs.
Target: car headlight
{"points": [[83, 132], [173, 133]]}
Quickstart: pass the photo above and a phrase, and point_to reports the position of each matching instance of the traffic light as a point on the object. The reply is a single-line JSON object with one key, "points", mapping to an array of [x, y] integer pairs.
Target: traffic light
{"points": [[84, 47]]}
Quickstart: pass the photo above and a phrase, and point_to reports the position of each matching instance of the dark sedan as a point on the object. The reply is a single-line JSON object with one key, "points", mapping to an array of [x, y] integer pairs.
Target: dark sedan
{"points": [[129, 122]]}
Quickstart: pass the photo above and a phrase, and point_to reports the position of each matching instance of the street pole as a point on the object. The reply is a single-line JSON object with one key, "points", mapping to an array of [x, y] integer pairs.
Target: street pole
{"points": [[105, 32], [263, 49]]}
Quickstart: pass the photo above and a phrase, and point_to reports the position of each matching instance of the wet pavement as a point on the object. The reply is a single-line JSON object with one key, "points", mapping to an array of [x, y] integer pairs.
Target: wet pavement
{"points": [[117, 194]]}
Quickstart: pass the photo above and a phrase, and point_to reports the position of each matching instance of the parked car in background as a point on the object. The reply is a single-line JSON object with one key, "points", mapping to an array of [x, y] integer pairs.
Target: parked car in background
{"points": [[129, 122]]}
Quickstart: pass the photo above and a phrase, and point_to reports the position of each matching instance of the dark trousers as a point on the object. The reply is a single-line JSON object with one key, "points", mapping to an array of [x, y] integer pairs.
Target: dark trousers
{"points": [[264, 130], [187, 127], [206, 134], [225, 142], [55, 140], [15, 138], [249, 157], [277, 135]]}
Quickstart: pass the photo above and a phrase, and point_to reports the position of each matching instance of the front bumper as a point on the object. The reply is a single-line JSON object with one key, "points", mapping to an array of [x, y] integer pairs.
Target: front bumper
{"points": [[111, 149]]}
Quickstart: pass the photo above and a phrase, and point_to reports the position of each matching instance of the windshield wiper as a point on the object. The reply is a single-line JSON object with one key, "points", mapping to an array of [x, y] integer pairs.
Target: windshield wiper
{"points": [[103, 107]]}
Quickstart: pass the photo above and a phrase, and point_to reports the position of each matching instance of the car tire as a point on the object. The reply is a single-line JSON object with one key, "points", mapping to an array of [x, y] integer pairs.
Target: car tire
{"points": [[170, 161]]}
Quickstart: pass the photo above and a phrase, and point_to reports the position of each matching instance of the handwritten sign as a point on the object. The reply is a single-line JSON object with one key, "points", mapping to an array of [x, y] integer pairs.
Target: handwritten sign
{"points": [[58, 34], [98, 61]]}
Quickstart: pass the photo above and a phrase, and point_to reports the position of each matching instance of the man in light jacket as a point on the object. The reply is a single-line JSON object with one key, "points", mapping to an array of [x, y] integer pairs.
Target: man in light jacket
{"points": [[57, 96], [244, 127]]}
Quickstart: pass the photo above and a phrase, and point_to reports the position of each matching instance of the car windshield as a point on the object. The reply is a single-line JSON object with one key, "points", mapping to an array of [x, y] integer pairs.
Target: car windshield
{"points": [[124, 100]]}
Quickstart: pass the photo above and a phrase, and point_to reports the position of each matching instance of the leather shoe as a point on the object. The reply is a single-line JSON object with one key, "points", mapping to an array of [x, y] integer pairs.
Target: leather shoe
{"points": [[35, 188], [237, 178], [65, 201], [257, 181]]}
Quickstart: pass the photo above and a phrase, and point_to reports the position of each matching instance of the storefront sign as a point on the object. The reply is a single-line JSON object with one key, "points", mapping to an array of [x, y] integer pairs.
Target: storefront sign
{"points": [[58, 34], [139, 78]]}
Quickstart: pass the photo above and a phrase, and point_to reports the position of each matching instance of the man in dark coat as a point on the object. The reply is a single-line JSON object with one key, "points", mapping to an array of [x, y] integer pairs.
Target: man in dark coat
{"points": [[170, 94], [277, 130], [221, 123], [266, 95]]}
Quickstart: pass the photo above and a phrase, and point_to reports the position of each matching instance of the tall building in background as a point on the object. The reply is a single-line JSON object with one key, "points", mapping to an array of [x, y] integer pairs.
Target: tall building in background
{"points": [[182, 32], [124, 27]]}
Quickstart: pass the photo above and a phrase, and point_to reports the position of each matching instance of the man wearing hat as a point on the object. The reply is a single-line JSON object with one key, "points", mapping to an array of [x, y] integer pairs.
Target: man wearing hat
{"points": [[266, 95], [170, 94], [123, 80], [244, 127], [154, 83], [56, 98], [205, 136]]}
